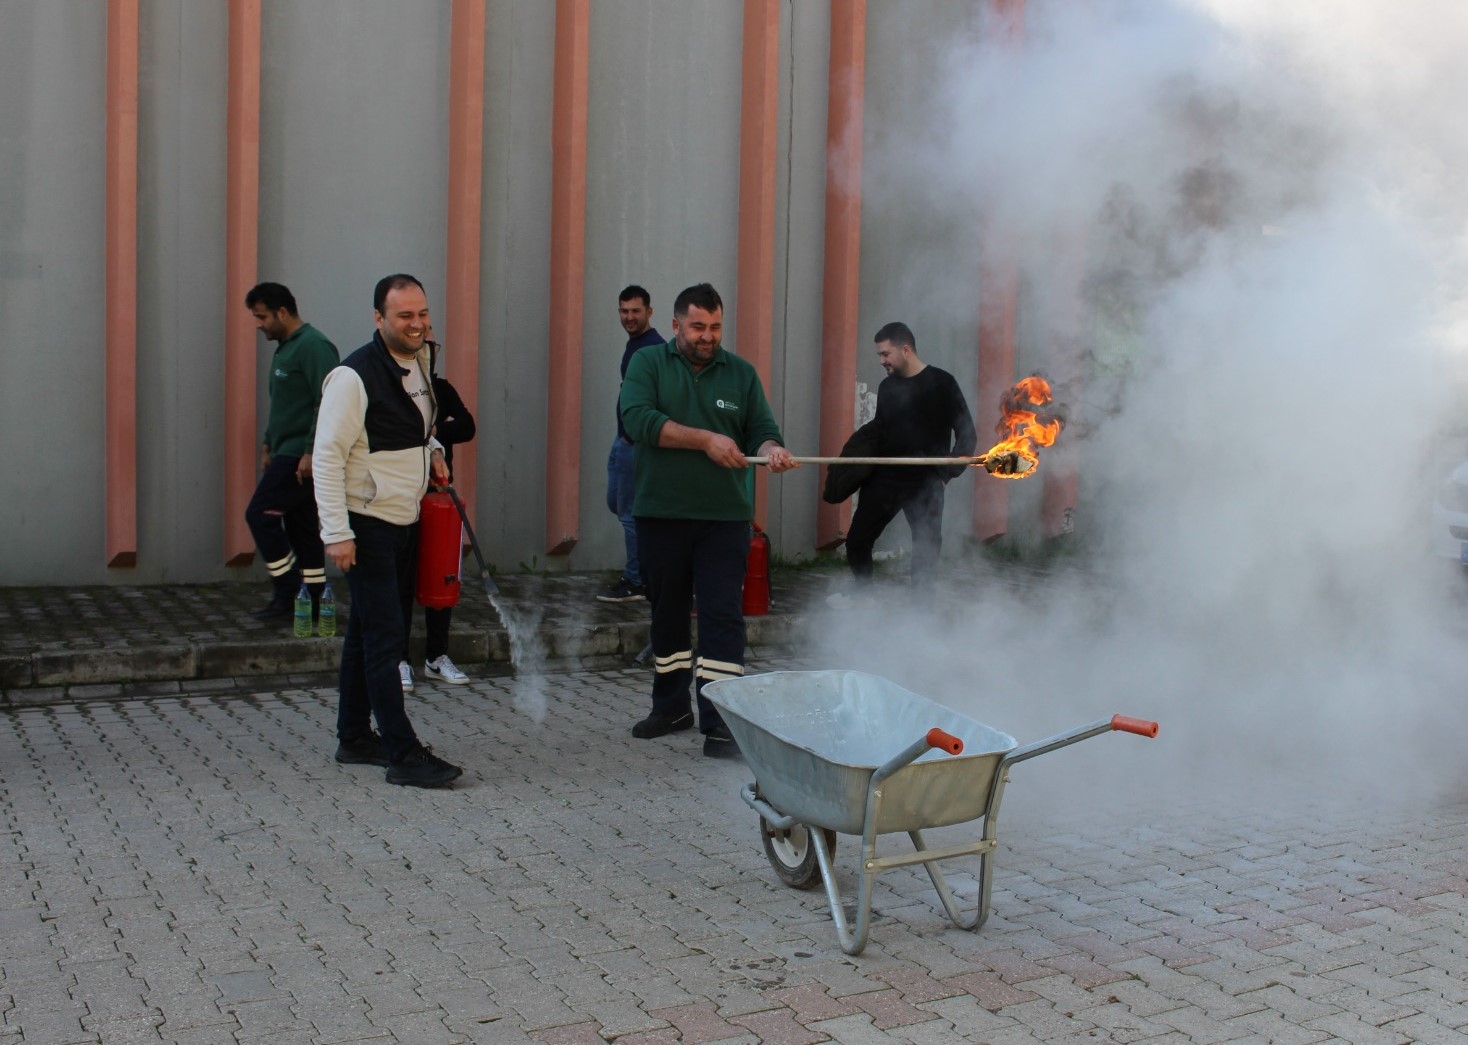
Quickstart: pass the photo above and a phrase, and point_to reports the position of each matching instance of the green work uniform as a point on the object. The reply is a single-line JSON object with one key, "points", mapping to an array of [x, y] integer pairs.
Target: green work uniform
{"points": [[299, 366], [724, 397]]}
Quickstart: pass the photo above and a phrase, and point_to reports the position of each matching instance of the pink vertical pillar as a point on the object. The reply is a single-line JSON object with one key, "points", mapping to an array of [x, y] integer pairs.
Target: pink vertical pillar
{"points": [[466, 178], [998, 305], [758, 120], [1061, 463], [241, 257], [841, 284], [121, 294], [568, 263]]}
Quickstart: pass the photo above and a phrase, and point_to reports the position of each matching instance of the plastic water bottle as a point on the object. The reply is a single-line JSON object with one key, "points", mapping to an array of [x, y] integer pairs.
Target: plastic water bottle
{"points": [[303, 613], [326, 621]]}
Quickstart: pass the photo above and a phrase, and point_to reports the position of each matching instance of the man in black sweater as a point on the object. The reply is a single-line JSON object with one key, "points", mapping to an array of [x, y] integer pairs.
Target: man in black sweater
{"points": [[920, 413]]}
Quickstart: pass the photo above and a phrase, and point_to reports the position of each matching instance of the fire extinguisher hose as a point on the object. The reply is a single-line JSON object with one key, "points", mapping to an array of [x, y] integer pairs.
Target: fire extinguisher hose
{"points": [[490, 587]]}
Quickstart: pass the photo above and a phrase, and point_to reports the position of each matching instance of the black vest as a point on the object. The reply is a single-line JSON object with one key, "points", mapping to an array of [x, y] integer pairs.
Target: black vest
{"points": [[393, 420]]}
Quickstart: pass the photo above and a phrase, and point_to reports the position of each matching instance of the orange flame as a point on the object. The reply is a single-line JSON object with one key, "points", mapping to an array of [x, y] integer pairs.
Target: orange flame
{"points": [[1022, 428]]}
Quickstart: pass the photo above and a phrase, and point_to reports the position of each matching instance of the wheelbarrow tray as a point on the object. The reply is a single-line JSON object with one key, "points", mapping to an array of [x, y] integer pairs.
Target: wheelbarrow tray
{"points": [[814, 738]]}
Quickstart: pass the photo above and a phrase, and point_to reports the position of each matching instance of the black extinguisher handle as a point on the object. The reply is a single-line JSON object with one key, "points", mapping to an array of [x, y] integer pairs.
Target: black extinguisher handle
{"points": [[490, 587]]}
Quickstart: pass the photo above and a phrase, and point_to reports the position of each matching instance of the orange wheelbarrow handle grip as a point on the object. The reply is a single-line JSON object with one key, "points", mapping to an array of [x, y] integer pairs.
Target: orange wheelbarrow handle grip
{"points": [[946, 741], [1139, 726]]}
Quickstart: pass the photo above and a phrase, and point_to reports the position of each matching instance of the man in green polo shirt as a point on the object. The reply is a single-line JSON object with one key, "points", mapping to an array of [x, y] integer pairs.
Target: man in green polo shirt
{"points": [[694, 410], [282, 513]]}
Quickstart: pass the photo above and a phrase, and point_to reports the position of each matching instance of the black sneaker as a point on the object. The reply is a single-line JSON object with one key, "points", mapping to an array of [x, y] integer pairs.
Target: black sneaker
{"points": [[719, 743], [623, 591], [366, 750], [281, 605], [656, 725], [422, 768]]}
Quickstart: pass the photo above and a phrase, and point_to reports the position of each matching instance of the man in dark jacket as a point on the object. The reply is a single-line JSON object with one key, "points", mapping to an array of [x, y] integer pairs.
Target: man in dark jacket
{"points": [[634, 311], [282, 512], [921, 412]]}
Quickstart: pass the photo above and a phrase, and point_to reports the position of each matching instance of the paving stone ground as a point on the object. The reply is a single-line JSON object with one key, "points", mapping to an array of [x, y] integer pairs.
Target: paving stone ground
{"points": [[194, 868]]}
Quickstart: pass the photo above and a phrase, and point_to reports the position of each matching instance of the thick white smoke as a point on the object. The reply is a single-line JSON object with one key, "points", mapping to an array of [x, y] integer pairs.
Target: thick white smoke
{"points": [[1264, 200]]}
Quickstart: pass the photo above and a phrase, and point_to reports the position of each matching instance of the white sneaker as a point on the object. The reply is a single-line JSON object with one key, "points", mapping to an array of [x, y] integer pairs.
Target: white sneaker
{"points": [[405, 674], [445, 670]]}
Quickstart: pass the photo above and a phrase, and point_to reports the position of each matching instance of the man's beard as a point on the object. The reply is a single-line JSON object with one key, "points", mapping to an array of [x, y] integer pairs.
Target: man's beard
{"points": [[695, 355]]}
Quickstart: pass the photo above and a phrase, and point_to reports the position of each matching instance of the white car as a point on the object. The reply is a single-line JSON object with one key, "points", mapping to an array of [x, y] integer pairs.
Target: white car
{"points": [[1450, 517]]}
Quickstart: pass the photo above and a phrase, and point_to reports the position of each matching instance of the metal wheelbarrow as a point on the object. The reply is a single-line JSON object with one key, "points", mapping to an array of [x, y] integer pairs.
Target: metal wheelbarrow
{"points": [[821, 746]]}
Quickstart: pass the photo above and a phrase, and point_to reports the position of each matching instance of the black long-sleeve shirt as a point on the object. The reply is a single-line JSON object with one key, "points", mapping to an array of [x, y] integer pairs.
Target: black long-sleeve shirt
{"points": [[455, 423], [921, 416]]}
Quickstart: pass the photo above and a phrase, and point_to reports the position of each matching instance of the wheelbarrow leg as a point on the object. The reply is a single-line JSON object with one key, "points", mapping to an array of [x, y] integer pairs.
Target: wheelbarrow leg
{"points": [[945, 894], [851, 942], [871, 865]]}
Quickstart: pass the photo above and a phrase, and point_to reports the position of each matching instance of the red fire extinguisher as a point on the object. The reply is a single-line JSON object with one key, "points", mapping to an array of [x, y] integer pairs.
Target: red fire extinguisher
{"points": [[757, 575], [440, 550]]}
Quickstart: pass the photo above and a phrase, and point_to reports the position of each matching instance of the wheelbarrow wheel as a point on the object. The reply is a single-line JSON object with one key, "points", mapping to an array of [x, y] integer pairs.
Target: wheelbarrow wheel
{"points": [[792, 854]]}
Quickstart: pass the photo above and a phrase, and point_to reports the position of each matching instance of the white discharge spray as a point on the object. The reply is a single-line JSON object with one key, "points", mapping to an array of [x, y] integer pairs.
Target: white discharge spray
{"points": [[527, 652], [1257, 209]]}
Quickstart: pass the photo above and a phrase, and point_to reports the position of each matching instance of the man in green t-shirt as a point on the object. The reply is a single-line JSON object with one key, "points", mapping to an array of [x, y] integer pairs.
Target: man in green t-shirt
{"points": [[282, 512], [694, 410]]}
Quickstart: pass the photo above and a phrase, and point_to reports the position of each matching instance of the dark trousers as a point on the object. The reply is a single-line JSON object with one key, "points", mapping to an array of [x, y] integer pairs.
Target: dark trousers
{"points": [[877, 506], [369, 685], [282, 519], [683, 560], [436, 625]]}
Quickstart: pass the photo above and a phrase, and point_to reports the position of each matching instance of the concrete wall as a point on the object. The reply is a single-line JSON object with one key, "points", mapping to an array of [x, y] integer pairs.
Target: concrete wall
{"points": [[52, 70], [352, 176]]}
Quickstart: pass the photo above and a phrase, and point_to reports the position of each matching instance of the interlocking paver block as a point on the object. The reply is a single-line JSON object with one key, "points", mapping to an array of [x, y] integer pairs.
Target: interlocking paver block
{"points": [[917, 985], [810, 1002], [699, 1023], [778, 1027], [990, 991], [576, 1034]]}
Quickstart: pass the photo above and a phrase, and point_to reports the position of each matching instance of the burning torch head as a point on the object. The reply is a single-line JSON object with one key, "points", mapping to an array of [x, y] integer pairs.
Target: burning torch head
{"points": [[1008, 463], [1023, 429]]}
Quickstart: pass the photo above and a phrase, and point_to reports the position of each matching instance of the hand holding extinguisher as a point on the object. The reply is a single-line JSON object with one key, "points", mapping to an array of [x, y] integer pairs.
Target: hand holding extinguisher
{"points": [[440, 552]]}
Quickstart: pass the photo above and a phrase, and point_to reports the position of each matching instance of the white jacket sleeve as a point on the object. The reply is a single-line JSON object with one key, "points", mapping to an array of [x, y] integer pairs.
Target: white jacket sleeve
{"points": [[339, 426]]}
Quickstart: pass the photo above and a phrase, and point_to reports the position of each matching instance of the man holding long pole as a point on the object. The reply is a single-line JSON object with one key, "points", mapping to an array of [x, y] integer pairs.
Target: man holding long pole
{"points": [[694, 410]]}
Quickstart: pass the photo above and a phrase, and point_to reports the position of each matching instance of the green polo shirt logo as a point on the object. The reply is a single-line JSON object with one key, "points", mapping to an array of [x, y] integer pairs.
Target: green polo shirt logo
{"points": [[727, 404]]}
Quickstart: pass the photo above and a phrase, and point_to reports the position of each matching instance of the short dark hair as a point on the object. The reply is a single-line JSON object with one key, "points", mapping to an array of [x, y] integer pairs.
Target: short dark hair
{"points": [[634, 291], [898, 333], [274, 296], [386, 284], [701, 294]]}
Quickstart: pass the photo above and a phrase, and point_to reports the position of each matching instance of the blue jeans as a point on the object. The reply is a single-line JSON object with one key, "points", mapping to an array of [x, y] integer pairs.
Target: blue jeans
{"points": [[621, 488], [368, 684]]}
